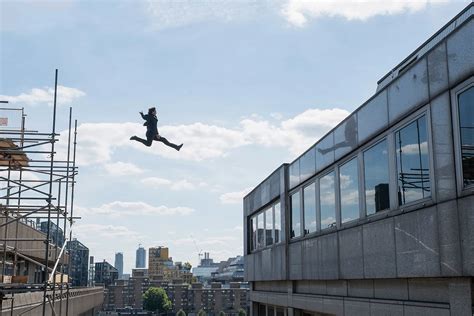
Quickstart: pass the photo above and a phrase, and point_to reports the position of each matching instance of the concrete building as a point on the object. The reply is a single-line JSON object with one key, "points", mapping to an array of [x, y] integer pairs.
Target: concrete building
{"points": [[376, 218], [140, 259], [119, 264], [105, 273], [79, 262], [203, 272]]}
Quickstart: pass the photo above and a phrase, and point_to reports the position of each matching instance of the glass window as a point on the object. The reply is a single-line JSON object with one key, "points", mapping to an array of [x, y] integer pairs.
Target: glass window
{"points": [[295, 215], [309, 202], [413, 170], [295, 173], [327, 201], [325, 152], [308, 164], [254, 232], [349, 188], [269, 226], [280, 311], [466, 125], [376, 178], [260, 230], [277, 222]]}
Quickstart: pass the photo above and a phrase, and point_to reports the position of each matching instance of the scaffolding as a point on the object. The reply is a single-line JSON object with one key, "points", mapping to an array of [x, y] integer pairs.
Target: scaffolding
{"points": [[36, 189]]}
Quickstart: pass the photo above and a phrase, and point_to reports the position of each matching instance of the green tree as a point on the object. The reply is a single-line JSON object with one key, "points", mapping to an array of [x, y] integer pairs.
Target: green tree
{"points": [[202, 313], [187, 266], [242, 312], [156, 300], [180, 313], [221, 313]]}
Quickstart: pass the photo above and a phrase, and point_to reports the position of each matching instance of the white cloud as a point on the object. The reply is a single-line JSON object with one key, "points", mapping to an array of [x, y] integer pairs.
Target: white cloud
{"points": [[36, 96], [176, 185], [119, 208], [122, 169], [234, 197], [299, 12], [84, 231], [166, 14]]}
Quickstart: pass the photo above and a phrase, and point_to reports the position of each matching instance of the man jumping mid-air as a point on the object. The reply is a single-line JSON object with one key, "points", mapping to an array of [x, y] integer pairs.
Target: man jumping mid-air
{"points": [[152, 131]]}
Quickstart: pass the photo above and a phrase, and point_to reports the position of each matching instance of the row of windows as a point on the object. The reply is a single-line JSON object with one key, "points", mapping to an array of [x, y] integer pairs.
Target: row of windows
{"points": [[370, 192], [266, 227]]}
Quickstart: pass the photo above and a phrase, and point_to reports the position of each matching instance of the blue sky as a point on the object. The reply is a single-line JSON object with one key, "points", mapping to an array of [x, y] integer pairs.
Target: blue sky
{"points": [[245, 85]]}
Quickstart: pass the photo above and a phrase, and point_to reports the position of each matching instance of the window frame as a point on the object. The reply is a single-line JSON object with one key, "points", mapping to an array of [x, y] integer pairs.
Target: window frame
{"points": [[262, 212], [455, 92], [409, 120], [297, 190]]}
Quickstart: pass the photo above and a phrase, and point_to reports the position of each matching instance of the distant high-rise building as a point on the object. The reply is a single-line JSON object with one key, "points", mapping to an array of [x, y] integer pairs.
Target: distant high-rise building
{"points": [[158, 259], [119, 264], [141, 258], [79, 255]]}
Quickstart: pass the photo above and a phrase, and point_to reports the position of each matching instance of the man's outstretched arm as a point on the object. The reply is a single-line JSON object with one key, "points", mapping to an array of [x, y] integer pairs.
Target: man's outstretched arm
{"points": [[145, 117]]}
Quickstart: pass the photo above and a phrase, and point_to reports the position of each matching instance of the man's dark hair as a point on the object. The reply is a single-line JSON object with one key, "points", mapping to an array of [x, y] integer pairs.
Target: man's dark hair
{"points": [[150, 110]]}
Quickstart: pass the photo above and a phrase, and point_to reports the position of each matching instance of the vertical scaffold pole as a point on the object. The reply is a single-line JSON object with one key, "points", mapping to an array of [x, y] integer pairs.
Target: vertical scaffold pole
{"points": [[65, 207], [72, 205], [49, 200]]}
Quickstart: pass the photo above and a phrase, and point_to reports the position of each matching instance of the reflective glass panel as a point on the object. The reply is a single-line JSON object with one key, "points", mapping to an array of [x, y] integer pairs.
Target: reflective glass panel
{"points": [[413, 169], [277, 222], [269, 226], [308, 164], [295, 173], [345, 136], [349, 188], [295, 215], [327, 201], [325, 152], [466, 124], [260, 230], [280, 311], [309, 200], [270, 311], [376, 178]]}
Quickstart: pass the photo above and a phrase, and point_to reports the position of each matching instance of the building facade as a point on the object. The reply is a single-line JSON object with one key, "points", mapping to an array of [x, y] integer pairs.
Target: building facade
{"points": [[79, 262], [105, 273], [376, 218], [55, 232], [119, 264], [140, 259]]}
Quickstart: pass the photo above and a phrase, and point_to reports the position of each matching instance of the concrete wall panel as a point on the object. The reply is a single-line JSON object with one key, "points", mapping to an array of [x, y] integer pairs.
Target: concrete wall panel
{"points": [[295, 261], [438, 69], [328, 252], [466, 220], [391, 289], [351, 254], [416, 235], [360, 288], [460, 52], [449, 242], [424, 311], [408, 91], [379, 249], [428, 290], [444, 168], [333, 306], [386, 309], [356, 308]]}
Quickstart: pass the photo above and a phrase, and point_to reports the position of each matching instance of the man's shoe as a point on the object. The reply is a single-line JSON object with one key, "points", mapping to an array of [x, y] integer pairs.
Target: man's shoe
{"points": [[133, 138], [179, 147]]}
